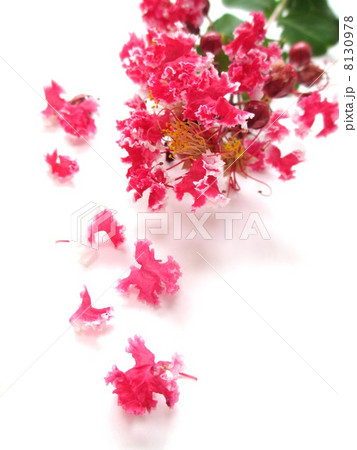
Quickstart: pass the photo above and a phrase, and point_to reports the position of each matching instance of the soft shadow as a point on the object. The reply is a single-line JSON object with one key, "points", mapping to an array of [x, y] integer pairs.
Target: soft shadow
{"points": [[149, 431], [90, 337]]}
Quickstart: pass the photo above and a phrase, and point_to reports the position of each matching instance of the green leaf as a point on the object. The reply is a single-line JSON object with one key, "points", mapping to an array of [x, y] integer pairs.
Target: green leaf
{"points": [[318, 6], [221, 62], [320, 31], [225, 26], [267, 6]]}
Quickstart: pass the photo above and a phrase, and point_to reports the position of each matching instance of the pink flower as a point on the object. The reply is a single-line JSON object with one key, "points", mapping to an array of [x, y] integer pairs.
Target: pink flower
{"points": [[105, 221], [135, 387], [62, 166], [54, 99], [75, 116], [250, 70], [247, 35], [254, 155], [164, 14], [251, 61], [283, 164], [87, 317], [312, 105], [275, 130], [206, 102], [153, 277], [148, 61], [201, 181]]}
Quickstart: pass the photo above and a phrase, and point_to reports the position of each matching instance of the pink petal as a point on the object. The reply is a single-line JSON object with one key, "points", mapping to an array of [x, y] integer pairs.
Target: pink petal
{"points": [[135, 388], [153, 277], [88, 317], [105, 221], [61, 166]]}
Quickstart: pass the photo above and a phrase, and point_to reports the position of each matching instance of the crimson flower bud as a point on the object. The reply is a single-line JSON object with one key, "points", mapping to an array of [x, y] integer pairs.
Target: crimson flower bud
{"points": [[261, 112], [310, 75], [300, 54], [206, 8], [281, 80], [211, 42]]}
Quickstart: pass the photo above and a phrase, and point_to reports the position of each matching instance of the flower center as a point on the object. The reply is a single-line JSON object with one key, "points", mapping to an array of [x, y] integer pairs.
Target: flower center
{"points": [[233, 148], [185, 138]]}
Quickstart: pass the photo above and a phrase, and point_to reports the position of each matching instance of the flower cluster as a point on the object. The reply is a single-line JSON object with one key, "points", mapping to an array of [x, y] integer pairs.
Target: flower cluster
{"points": [[199, 128], [207, 115]]}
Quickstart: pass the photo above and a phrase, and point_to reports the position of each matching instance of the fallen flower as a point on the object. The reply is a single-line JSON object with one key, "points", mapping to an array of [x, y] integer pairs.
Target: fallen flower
{"points": [[87, 317], [135, 387], [312, 105], [154, 277], [61, 166], [105, 221], [75, 116], [284, 164]]}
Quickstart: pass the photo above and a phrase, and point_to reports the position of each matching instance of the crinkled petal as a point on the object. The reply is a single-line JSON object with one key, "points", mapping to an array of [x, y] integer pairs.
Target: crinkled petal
{"points": [[87, 316]]}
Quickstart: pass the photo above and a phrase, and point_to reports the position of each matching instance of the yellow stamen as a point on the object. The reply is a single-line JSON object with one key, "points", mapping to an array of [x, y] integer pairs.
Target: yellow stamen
{"points": [[234, 147], [184, 138]]}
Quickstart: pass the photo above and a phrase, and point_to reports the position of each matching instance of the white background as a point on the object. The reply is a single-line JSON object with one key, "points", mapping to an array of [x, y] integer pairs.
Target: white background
{"points": [[270, 330]]}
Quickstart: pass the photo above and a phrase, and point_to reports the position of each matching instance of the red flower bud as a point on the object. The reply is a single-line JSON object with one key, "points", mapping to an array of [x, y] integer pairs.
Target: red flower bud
{"points": [[261, 112], [206, 8], [211, 42], [310, 75], [281, 80], [300, 54]]}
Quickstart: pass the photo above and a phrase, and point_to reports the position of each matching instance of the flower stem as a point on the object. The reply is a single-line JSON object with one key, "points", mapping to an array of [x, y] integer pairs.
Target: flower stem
{"points": [[276, 13], [188, 376]]}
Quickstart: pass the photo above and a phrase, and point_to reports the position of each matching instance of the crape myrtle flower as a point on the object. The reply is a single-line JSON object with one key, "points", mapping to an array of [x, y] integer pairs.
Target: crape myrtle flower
{"points": [[136, 387], [312, 105], [153, 278], [196, 129], [62, 167], [74, 116], [105, 221], [165, 15], [87, 317]]}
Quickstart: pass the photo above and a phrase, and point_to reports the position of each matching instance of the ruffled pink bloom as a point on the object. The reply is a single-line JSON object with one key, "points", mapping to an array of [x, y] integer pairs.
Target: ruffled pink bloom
{"points": [[201, 181], [254, 155], [62, 166], [148, 61], [154, 180], [283, 164], [105, 221], [140, 136], [54, 100], [206, 102], [251, 61], [135, 388], [312, 105], [275, 130], [247, 35], [250, 70], [164, 14], [86, 317], [75, 116], [153, 277]]}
